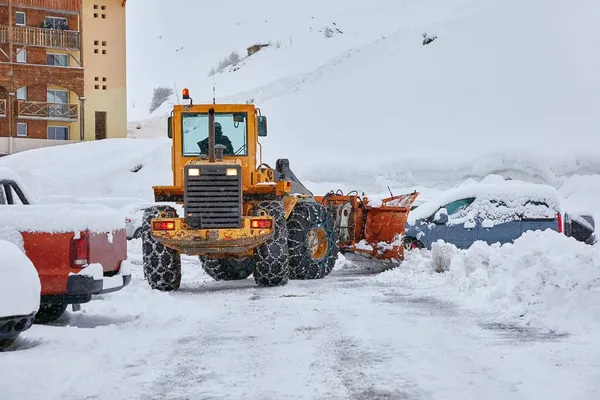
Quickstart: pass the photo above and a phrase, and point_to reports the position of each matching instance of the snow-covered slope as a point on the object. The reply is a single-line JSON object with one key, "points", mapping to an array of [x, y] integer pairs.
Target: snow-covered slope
{"points": [[502, 77]]}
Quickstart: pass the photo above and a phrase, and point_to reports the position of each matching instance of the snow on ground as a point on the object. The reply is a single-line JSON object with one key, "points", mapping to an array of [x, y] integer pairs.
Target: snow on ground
{"points": [[543, 280], [349, 336], [19, 282]]}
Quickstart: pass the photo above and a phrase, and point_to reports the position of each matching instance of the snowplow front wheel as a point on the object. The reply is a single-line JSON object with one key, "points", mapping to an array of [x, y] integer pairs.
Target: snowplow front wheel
{"points": [[227, 269], [312, 241], [271, 266], [162, 265]]}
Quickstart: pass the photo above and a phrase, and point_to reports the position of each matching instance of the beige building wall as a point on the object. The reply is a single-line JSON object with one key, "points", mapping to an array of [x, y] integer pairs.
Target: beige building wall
{"points": [[104, 54]]}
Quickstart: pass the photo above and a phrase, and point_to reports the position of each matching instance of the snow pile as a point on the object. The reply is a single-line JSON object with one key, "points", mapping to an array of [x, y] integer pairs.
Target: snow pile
{"points": [[19, 282], [61, 218], [13, 236], [115, 168], [543, 279]]}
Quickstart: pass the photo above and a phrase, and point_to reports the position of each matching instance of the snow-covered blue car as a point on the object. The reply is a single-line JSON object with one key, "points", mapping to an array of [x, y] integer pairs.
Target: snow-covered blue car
{"points": [[493, 213]]}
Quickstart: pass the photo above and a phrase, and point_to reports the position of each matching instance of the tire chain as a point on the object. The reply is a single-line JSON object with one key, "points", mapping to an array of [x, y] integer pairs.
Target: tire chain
{"points": [[227, 269], [271, 259], [305, 217], [162, 265]]}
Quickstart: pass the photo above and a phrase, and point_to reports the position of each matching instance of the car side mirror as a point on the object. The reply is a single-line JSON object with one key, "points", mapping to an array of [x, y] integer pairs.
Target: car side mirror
{"points": [[262, 126], [170, 127], [441, 217]]}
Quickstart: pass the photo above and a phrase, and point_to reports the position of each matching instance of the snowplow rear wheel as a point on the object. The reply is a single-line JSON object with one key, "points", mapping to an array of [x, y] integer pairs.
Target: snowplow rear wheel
{"points": [[271, 266], [312, 241], [227, 269], [162, 265]]}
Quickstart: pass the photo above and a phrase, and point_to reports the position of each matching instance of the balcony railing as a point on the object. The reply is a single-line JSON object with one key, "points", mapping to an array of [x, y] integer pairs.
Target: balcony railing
{"points": [[63, 5], [2, 108], [48, 111], [40, 37]]}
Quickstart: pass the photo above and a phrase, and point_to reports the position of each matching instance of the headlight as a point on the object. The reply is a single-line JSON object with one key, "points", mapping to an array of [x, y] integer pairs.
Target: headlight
{"points": [[193, 172], [231, 172]]}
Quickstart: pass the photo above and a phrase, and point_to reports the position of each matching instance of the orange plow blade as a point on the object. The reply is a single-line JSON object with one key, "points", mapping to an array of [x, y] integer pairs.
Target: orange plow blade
{"points": [[372, 229]]}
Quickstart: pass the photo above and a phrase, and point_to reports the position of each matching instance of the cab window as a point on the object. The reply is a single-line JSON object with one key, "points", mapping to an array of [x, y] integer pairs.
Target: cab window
{"points": [[231, 131]]}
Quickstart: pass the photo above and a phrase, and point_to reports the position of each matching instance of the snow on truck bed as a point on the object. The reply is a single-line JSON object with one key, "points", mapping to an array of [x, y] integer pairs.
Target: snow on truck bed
{"points": [[19, 282], [61, 218]]}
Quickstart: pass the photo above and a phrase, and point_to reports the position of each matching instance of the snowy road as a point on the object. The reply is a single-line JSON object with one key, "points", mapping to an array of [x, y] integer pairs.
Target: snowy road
{"points": [[350, 336]]}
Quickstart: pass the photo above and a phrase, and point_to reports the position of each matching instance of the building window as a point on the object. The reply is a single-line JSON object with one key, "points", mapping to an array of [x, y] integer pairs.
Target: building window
{"points": [[59, 60], [104, 79], [22, 93], [97, 87], [22, 129], [21, 56], [104, 87], [103, 16], [58, 96], [58, 132], [103, 51], [103, 8], [56, 23], [20, 18]]}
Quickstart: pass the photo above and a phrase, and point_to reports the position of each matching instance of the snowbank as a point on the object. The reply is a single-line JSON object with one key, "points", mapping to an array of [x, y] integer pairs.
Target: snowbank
{"points": [[19, 282], [543, 279], [61, 218]]}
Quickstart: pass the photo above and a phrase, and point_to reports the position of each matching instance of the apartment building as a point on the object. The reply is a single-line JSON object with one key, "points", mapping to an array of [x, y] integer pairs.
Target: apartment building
{"points": [[62, 72]]}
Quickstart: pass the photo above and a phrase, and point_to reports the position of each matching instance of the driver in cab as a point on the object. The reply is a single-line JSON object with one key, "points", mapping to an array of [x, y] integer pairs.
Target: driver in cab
{"points": [[219, 139]]}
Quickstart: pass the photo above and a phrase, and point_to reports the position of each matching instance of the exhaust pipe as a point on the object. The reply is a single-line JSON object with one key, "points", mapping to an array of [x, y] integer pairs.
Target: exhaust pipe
{"points": [[211, 135]]}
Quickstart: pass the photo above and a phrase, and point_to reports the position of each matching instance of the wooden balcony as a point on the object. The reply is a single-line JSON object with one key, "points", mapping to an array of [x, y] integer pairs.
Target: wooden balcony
{"points": [[47, 111], [40, 37], [2, 108], [73, 6]]}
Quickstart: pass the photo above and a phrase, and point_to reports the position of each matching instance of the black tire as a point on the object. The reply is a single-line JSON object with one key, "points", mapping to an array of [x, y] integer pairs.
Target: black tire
{"points": [[227, 269], [271, 267], [411, 243], [312, 241], [162, 265], [138, 233], [49, 313]]}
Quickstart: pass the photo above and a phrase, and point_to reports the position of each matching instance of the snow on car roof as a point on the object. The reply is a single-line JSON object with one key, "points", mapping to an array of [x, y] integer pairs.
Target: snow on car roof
{"points": [[500, 191], [61, 218]]}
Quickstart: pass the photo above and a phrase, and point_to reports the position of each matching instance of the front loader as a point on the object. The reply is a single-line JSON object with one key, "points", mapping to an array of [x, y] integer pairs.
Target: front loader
{"points": [[240, 217]]}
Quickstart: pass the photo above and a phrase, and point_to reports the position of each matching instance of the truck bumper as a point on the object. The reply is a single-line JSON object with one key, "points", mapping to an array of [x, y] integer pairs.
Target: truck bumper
{"points": [[81, 288], [212, 242]]}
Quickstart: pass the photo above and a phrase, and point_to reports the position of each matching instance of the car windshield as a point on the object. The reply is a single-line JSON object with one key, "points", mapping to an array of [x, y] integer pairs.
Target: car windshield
{"points": [[230, 131]]}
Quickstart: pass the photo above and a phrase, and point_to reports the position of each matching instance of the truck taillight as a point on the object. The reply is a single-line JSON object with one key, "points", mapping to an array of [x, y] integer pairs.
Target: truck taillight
{"points": [[560, 222], [261, 224], [80, 250], [163, 225]]}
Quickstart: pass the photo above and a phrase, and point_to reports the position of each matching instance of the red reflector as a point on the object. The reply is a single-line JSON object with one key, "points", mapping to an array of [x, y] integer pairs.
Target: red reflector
{"points": [[261, 224], [163, 226], [560, 222], [79, 252]]}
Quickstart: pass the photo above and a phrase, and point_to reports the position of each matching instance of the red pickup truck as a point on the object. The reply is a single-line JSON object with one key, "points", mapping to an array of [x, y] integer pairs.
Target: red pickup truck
{"points": [[78, 250]]}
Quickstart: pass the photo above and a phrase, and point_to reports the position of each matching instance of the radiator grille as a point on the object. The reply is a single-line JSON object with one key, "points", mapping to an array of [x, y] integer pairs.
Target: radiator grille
{"points": [[213, 200]]}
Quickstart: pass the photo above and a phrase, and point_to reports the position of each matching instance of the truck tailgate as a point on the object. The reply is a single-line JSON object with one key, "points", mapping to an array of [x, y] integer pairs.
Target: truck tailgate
{"points": [[108, 249]]}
